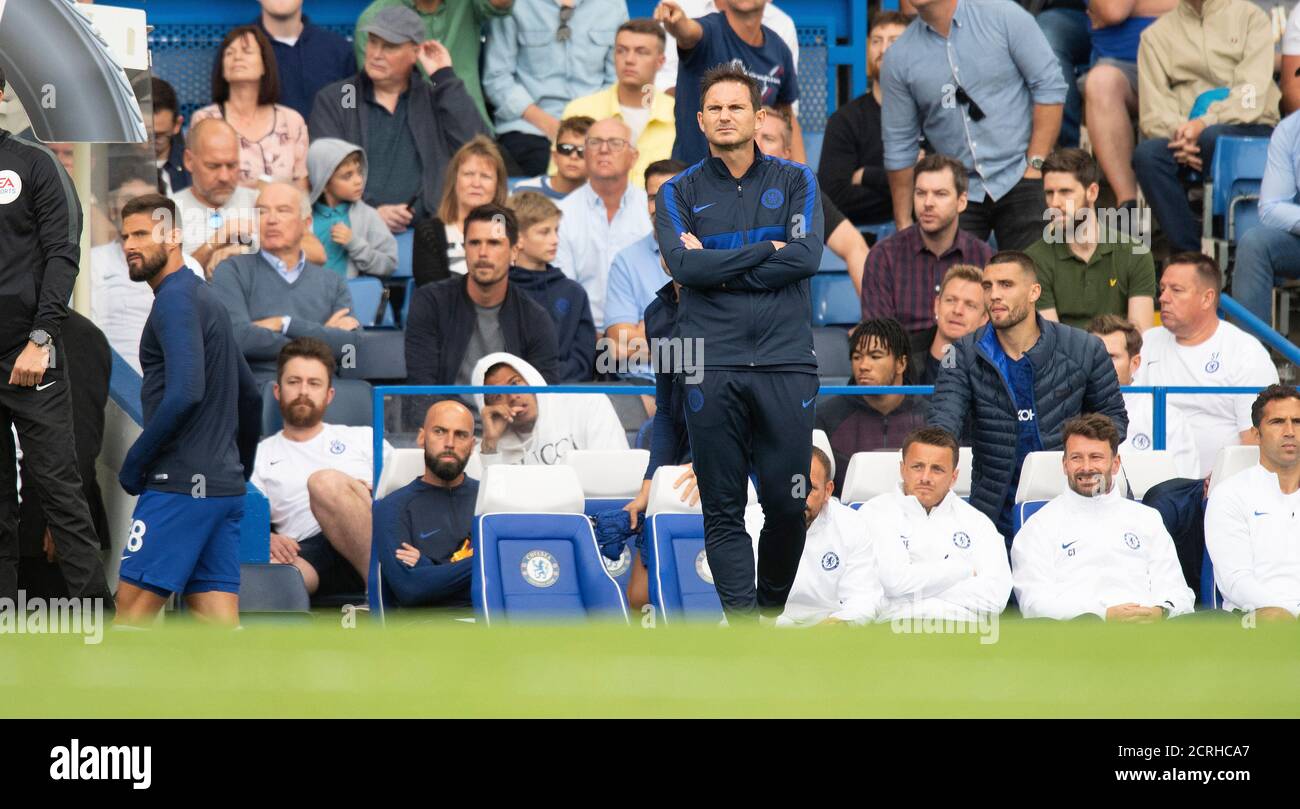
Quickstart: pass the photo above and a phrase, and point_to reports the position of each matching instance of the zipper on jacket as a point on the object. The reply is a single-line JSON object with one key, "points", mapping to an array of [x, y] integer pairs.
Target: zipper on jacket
{"points": [[744, 239]]}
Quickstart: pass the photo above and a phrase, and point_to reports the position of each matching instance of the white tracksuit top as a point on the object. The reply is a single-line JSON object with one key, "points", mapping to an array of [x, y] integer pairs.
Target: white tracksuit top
{"points": [[1081, 555], [837, 572], [949, 564], [1252, 531]]}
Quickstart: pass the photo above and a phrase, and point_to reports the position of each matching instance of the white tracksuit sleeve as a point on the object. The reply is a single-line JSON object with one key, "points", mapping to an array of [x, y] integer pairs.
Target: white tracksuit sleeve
{"points": [[1037, 592], [1228, 540], [903, 578], [988, 590], [859, 587], [1168, 587]]}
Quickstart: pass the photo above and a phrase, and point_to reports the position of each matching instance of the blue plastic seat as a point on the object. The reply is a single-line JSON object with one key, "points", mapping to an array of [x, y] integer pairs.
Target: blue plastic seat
{"points": [[265, 588], [352, 406], [405, 252], [255, 528], [381, 356], [835, 301], [368, 296], [1236, 172]]}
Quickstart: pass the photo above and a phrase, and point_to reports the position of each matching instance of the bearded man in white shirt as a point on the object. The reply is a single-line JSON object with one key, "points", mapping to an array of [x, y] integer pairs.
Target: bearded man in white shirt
{"points": [[1252, 524], [1091, 551]]}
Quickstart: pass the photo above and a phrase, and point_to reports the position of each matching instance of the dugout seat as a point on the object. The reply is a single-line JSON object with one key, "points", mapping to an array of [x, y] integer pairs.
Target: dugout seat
{"points": [[610, 480], [1143, 470], [965, 461], [352, 406], [870, 474], [1042, 478], [535, 552], [266, 588], [381, 356], [1230, 461], [403, 466]]}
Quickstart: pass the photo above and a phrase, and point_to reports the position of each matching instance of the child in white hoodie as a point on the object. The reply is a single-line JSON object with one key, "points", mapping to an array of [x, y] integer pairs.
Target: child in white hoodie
{"points": [[527, 428]]}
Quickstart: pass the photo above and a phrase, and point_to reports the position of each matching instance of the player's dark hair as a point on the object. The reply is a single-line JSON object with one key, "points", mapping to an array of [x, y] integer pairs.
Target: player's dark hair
{"points": [[670, 167], [942, 162], [1075, 162], [933, 437], [1103, 325], [268, 88], [1023, 261], [311, 348], [492, 214], [1207, 269], [164, 96], [151, 204], [1094, 426], [1273, 393], [889, 333], [819, 457], [727, 72]]}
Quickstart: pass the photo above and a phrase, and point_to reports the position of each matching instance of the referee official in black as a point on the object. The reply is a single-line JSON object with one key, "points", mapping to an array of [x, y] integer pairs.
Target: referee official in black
{"points": [[742, 233], [40, 235]]}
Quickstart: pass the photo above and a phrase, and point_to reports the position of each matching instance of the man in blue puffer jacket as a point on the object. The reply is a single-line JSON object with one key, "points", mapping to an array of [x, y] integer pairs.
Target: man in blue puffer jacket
{"points": [[742, 233], [1021, 378]]}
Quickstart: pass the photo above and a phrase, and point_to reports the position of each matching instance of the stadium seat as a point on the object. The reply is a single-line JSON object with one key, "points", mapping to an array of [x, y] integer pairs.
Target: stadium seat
{"points": [[370, 302], [381, 356], [823, 442], [1230, 461], [870, 474], [1235, 175], [535, 552], [965, 463], [812, 146], [406, 301], [265, 588], [610, 479], [1145, 469], [404, 465], [834, 300], [831, 344], [405, 252], [255, 527], [351, 406], [1041, 478], [831, 262], [878, 231], [1210, 596]]}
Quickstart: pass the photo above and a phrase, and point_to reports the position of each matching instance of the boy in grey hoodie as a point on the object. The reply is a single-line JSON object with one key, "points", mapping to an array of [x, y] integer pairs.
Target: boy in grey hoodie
{"points": [[356, 240]]}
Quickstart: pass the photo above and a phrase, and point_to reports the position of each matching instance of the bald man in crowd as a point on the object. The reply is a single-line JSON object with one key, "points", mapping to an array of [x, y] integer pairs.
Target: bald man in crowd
{"points": [[217, 214], [422, 530], [276, 295]]}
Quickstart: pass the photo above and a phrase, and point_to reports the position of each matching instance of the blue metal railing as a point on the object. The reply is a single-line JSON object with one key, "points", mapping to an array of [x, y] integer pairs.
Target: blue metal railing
{"points": [[1262, 331]]}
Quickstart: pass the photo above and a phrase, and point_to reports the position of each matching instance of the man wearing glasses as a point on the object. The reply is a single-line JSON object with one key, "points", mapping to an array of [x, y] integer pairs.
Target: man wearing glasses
{"points": [[980, 82], [538, 59], [605, 215]]}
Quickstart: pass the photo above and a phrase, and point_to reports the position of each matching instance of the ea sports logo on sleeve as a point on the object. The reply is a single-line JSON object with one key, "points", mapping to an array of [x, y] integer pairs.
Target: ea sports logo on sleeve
{"points": [[540, 569], [11, 185]]}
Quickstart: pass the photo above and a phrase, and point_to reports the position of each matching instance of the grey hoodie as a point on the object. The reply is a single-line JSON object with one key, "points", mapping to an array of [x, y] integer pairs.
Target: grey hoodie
{"points": [[373, 249]]}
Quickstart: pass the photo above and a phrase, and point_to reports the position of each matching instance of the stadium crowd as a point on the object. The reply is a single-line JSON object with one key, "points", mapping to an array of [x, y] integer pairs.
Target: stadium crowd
{"points": [[497, 167]]}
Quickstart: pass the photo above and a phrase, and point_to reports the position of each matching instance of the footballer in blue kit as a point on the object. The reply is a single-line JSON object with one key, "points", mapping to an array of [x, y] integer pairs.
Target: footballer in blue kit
{"points": [[202, 420]]}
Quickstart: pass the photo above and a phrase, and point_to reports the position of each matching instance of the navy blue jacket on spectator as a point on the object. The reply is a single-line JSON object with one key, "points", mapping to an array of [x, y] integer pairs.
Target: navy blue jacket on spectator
{"points": [[437, 522], [669, 443], [177, 176], [1072, 374], [442, 318], [318, 58], [566, 300], [747, 300]]}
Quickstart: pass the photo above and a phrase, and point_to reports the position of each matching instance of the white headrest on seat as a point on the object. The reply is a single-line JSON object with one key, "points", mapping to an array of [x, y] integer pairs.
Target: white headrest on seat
{"points": [[1230, 461], [609, 473], [966, 459], [516, 489], [822, 442], [1146, 469], [403, 466], [870, 474], [1042, 477], [664, 499]]}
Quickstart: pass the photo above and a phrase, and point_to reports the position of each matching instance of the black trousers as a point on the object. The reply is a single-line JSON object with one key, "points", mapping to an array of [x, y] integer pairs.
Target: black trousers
{"points": [[1016, 219], [530, 153], [740, 421], [43, 419]]}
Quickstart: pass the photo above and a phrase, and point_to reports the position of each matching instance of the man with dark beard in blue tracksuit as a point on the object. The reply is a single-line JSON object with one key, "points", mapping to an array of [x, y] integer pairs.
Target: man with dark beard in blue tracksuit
{"points": [[742, 234]]}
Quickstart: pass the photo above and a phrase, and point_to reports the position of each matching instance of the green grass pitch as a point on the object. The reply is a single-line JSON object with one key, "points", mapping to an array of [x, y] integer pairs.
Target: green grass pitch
{"points": [[1203, 666]]}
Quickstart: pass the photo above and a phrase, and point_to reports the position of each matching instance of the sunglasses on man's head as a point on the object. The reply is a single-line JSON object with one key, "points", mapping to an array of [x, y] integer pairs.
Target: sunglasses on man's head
{"points": [[570, 149], [976, 114]]}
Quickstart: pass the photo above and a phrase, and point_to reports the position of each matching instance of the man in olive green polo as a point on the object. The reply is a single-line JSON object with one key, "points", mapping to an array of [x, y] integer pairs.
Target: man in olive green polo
{"points": [[457, 24], [1086, 268]]}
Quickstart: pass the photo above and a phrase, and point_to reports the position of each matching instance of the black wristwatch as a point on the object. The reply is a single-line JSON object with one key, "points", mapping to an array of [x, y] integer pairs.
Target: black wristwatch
{"points": [[40, 337]]}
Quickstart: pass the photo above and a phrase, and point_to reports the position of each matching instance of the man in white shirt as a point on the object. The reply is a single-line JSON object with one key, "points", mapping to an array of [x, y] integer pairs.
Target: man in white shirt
{"points": [[1089, 551], [317, 477], [118, 305], [1193, 347], [1252, 524], [1124, 344], [837, 581], [937, 556], [218, 215], [603, 216]]}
